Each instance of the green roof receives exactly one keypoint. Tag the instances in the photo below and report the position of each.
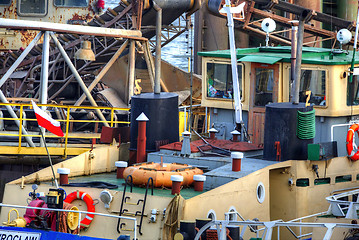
(270, 55)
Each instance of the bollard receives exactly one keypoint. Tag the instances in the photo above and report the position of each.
(212, 133)
(64, 175)
(121, 165)
(198, 182)
(235, 135)
(176, 183)
(236, 161)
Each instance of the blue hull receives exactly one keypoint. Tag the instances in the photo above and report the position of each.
(15, 233)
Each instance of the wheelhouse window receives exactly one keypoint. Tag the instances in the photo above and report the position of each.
(264, 86)
(315, 82)
(71, 3)
(219, 80)
(32, 7)
(353, 91)
(5, 2)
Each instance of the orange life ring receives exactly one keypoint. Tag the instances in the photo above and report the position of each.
(85, 223)
(350, 140)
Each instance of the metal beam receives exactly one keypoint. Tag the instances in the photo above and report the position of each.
(157, 87)
(44, 79)
(131, 70)
(68, 28)
(78, 78)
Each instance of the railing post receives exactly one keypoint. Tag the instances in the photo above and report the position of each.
(79, 224)
(67, 129)
(20, 128)
(112, 116)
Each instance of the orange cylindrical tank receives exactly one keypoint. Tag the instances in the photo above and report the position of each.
(161, 175)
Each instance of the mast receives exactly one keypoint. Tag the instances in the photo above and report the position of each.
(236, 91)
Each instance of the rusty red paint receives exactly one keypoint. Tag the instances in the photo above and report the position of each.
(84, 17)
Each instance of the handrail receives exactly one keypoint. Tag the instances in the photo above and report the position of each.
(268, 226)
(76, 211)
(67, 109)
(252, 229)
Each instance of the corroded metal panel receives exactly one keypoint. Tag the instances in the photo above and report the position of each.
(14, 40)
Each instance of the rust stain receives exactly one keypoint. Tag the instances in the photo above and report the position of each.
(27, 36)
(83, 17)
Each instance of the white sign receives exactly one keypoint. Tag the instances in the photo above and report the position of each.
(15, 235)
(356, 71)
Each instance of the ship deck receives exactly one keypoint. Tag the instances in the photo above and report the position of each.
(110, 178)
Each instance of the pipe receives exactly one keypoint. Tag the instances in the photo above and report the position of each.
(293, 57)
(131, 70)
(141, 138)
(157, 87)
(78, 78)
(103, 72)
(68, 28)
(236, 90)
(44, 82)
(44, 70)
(299, 57)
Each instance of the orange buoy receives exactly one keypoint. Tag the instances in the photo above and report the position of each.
(350, 141)
(85, 223)
(161, 174)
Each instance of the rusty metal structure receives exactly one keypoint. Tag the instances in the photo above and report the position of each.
(323, 20)
(114, 55)
(284, 13)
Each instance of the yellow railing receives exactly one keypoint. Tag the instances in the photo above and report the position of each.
(67, 122)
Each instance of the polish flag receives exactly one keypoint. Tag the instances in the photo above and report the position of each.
(46, 121)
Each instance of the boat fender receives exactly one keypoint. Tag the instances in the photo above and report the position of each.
(352, 149)
(85, 223)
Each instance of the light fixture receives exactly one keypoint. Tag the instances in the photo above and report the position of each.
(343, 36)
(85, 52)
(268, 26)
(106, 198)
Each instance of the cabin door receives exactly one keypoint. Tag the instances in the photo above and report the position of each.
(264, 90)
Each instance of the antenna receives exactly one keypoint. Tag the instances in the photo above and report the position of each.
(268, 26)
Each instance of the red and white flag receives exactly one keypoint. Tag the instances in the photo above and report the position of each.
(46, 121)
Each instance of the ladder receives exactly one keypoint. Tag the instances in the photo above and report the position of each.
(140, 204)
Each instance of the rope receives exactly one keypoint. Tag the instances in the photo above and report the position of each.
(172, 217)
(306, 124)
(63, 220)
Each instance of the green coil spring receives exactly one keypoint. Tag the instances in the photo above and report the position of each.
(306, 124)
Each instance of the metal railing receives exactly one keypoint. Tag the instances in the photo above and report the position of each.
(66, 121)
(186, 111)
(79, 212)
(262, 231)
(269, 226)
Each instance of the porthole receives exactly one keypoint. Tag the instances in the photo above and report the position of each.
(211, 214)
(261, 193)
